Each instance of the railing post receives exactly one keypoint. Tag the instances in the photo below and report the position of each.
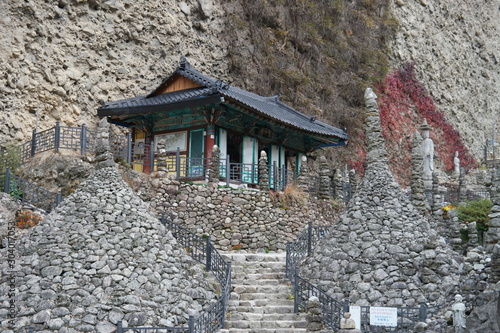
(309, 238)
(228, 170)
(346, 305)
(178, 163)
(83, 140)
(58, 198)
(209, 254)
(224, 300)
(6, 185)
(33, 143)
(191, 324)
(295, 290)
(152, 156)
(283, 177)
(129, 148)
(422, 314)
(120, 327)
(57, 137)
(275, 176)
(163, 219)
(287, 262)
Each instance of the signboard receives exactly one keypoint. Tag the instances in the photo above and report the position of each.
(355, 311)
(382, 316)
(173, 141)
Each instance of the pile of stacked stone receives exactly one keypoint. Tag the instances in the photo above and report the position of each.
(493, 235)
(101, 257)
(324, 178)
(417, 185)
(263, 172)
(382, 252)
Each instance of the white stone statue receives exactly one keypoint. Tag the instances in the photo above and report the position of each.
(427, 149)
(458, 309)
(370, 98)
(347, 322)
(456, 163)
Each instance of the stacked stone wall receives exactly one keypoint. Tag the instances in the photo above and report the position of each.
(247, 219)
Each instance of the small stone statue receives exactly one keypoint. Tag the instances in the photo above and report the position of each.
(456, 163)
(347, 323)
(370, 98)
(458, 309)
(427, 149)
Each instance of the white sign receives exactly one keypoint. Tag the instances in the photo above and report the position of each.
(355, 312)
(382, 316)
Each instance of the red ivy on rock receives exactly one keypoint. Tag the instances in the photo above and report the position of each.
(404, 103)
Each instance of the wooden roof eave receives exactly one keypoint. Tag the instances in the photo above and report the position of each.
(124, 112)
(240, 106)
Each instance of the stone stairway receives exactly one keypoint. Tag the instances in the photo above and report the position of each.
(261, 299)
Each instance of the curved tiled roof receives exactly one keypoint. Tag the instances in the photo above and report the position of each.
(270, 107)
(162, 99)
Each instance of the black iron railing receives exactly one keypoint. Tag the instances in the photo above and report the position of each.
(302, 247)
(202, 250)
(332, 309)
(407, 317)
(143, 157)
(30, 194)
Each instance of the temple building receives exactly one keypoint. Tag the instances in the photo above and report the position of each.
(192, 112)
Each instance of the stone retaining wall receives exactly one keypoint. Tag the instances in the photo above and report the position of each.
(247, 219)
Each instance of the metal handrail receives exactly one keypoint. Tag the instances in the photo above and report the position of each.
(142, 154)
(332, 309)
(30, 194)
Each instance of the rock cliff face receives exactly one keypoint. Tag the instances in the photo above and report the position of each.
(455, 47)
(64, 58)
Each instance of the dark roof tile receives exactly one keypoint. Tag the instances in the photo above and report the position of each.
(271, 107)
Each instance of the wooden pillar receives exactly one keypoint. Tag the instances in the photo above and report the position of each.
(149, 151)
(209, 140)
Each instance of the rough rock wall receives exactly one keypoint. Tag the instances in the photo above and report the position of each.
(65, 57)
(455, 47)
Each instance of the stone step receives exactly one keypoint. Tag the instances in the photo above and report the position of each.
(275, 309)
(262, 302)
(261, 297)
(263, 282)
(257, 269)
(252, 316)
(254, 257)
(248, 324)
(263, 330)
(256, 276)
(276, 288)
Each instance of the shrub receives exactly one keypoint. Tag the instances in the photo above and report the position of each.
(15, 191)
(320, 55)
(10, 157)
(27, 219)
(476, 210)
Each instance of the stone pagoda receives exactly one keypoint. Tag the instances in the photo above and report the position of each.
(383, 252)
(99, 258)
